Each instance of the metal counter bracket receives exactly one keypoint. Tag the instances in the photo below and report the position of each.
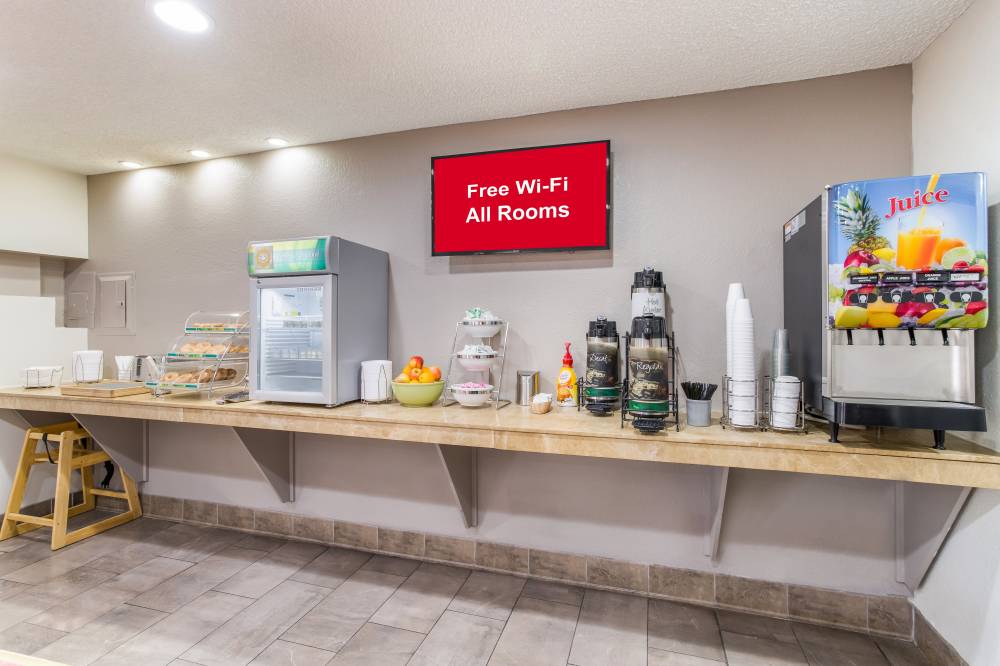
(461, 463)
(273, 451)
(925, 515)
(718, 482)
(125, 440)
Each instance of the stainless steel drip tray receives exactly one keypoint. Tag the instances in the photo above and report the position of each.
(928, 371)
(923, 414)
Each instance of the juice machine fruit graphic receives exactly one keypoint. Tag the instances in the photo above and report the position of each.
(319, 307)
(884, 287)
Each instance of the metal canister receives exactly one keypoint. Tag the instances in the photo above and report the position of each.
(649, 370)
(527, 386)
(601, 387)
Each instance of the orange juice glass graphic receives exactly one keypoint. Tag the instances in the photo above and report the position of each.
(915, 250)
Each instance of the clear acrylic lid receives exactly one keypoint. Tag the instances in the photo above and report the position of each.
(217, 322)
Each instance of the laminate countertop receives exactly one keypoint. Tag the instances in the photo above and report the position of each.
(903, 455)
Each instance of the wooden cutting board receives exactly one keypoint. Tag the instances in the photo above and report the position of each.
(104, 389)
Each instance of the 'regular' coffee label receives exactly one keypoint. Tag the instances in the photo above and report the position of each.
(648, 375)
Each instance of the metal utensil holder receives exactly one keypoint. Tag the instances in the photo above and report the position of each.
(800, 412)
(726, 421)
(383, 381)
(448, 397)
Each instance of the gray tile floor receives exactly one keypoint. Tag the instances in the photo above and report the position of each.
(155, 592)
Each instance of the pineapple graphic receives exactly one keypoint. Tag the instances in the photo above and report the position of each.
(859, 223)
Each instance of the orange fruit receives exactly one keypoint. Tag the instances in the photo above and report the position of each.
(945, 244)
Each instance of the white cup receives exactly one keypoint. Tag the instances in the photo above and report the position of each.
(375, 379)
(126, 367)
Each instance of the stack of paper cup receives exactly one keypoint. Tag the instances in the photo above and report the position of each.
(375, 378)
(785, 402)
(742, 384)
(735, 294)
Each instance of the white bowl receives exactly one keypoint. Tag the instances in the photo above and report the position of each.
(784, 420)
(743, 402)
(471, 397)
(742, 387)
(743, 418)
(784, 405)
(477, 362)
(787, 387)
(481, 328)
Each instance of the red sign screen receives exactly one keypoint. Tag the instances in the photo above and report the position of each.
(547, 198)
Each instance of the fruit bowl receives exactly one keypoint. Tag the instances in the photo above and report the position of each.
(472, 395)
(417, 394)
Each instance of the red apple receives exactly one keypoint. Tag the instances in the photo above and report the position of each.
(415, 362)
(913, 309)
(860, 258)
(973, 307)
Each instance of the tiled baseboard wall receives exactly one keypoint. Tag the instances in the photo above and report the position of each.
(879, 615)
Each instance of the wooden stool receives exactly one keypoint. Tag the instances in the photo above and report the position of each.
(73, 454)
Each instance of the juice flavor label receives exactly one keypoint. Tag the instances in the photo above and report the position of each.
(908, 252)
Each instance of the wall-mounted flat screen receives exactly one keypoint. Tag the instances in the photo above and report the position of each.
(546, 198)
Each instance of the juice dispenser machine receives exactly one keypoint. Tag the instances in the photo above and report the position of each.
(884, 288)
(319, 307)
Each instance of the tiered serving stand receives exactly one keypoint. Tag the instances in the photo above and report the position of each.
(212, 354)
(481, 331)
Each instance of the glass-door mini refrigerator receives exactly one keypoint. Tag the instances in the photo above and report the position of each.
(318, 308)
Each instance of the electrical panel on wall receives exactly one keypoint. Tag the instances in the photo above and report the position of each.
(115, 303)
(81, 296)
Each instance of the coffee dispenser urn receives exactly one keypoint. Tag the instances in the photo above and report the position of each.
(601, 388)
(650, 389)
(884, 287)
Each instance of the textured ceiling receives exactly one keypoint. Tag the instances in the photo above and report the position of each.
(86, 83)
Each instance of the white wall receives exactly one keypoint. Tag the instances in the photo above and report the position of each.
(42, 210)
(702, 185)
(956, 127)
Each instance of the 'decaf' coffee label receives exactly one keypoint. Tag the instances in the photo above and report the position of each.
(908, 253)
(648, 370)
(602, 364)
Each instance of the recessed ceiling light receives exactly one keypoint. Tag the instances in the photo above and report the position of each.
(182, 15)
(128, 164)
(199, 153)
(277, 142)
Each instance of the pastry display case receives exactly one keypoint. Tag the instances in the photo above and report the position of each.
(213, 353)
